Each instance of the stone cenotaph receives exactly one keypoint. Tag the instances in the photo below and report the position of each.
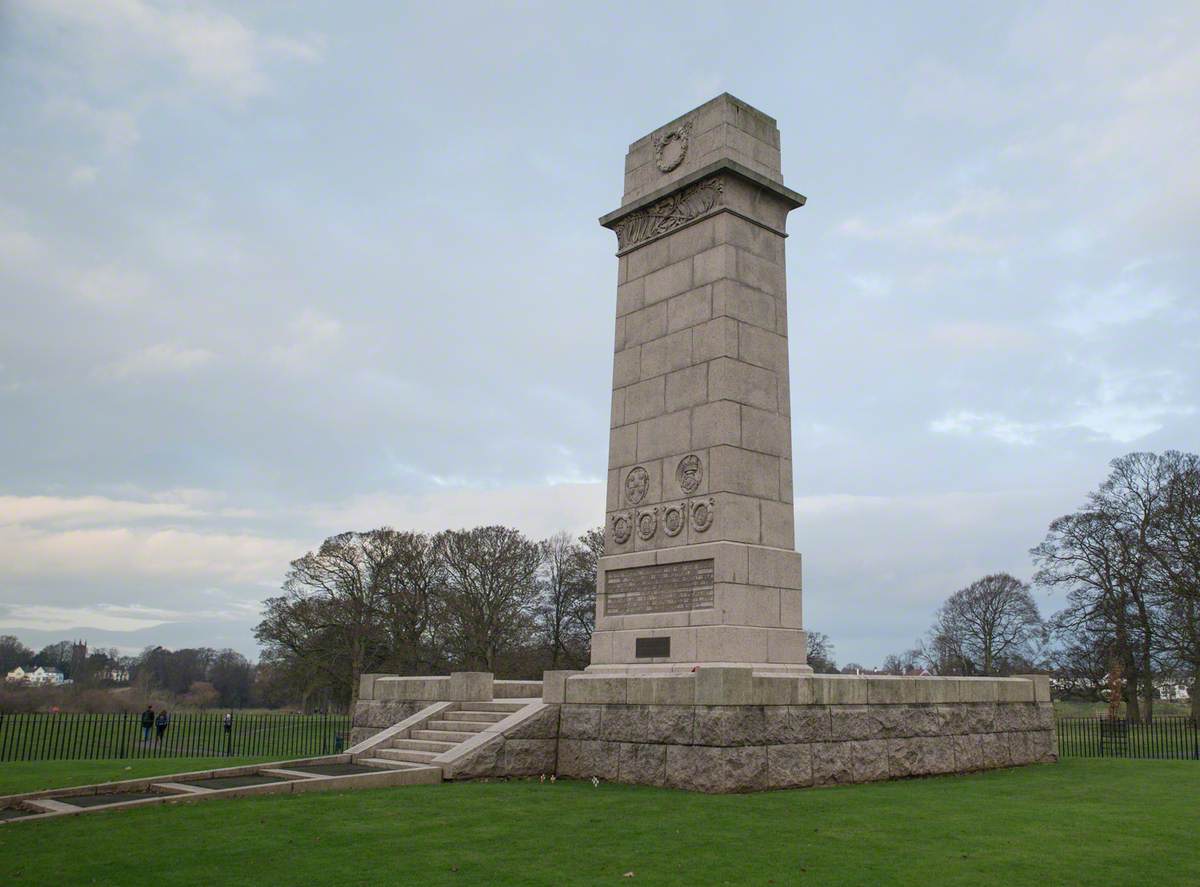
(698, 677)
(700, 566)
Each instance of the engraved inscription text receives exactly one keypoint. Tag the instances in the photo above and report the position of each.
(663, 588)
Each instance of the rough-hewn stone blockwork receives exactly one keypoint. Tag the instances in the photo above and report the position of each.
(380, 714)
(731, 748)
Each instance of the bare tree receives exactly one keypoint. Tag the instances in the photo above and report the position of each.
(820, 653)
(1082, 555)
(411, 604)
(1132, 499)
(1080, 661)
(901, 663)
(491, 591)
(13, 653)
(992, 620)
(567, 583)
(1175, 547)
(333, 597)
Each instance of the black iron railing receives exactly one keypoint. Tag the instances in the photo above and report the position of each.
(1163, 738)
(42, 736)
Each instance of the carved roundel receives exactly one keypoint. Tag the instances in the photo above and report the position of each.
(671, 148)
(702, 514)
(673, 519)
(622, 528)
(636, 484)
(689, 473)
(647, 523)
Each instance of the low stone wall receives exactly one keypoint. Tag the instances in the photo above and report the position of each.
(517, 689)
(372, 715)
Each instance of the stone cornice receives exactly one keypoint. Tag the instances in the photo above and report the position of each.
(787, 195)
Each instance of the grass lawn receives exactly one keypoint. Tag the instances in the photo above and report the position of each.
(1066, 709)
(1078, 822)
(31, 776)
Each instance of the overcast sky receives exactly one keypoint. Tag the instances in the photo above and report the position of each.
(270, 271)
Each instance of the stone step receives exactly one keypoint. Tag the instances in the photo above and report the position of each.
(386, 764)
(460, 726)
(414, 774)
(402, 754)
(451, 736)
(500, 705)
(434, 746)
(472, 715)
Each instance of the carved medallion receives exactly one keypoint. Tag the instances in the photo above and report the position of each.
(636, 484)
(622, 528)
(647, 523)
(671, 147)
(689, 473)
(702, 514)
(673, 519)
(673, 211)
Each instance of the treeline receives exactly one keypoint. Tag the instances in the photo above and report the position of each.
(1128, 561)
(487, 599)
(202, 677)
(196, 677)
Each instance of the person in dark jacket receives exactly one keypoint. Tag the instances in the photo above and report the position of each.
(160, 723)
(147, 722)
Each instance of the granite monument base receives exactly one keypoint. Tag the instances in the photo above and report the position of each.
(734, 730)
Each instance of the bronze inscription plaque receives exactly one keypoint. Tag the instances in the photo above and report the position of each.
(663, 588)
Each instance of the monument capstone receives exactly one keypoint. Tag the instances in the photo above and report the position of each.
(700, 564)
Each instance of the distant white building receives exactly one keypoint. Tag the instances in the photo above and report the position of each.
(38, 677)
(1172, 692)
(116, 674)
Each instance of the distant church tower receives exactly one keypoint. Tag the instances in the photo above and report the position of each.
(79, 655)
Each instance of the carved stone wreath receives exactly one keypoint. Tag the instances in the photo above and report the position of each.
(671, 147)
(673, 211)
(673, 519)
(702, 514)
(636, 484)
(622, 528)
(689, 473)
(647, 523)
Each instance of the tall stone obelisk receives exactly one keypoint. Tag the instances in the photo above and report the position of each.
(700, 564)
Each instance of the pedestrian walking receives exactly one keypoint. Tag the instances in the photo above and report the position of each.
(160, 723)
(147, 722)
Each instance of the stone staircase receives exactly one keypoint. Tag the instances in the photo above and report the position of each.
(443, 733)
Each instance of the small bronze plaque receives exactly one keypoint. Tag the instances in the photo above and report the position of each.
(662, 588)
(651, 648)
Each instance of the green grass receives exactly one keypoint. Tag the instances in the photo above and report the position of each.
(1077, 822)
(17, 777)
(1065, 709)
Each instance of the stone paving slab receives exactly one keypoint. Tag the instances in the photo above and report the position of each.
(103, 800)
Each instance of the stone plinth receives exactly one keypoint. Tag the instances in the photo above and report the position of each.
(731, 730)
(700, 565)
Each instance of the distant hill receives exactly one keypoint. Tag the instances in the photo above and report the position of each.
(173, 635)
